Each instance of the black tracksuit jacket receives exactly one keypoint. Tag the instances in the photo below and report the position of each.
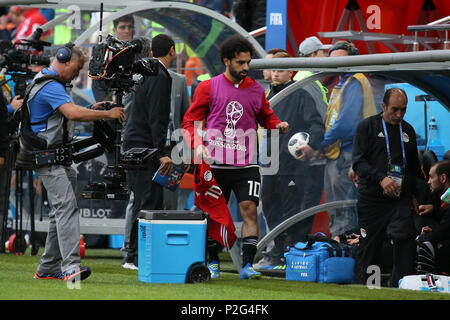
(370, 160)
(149, 113)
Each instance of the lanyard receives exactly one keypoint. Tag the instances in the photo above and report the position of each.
(387, 143)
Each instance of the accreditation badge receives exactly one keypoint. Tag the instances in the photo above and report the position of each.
(395, 172)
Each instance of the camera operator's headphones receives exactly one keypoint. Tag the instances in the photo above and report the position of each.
(64, 54)
(345, 45)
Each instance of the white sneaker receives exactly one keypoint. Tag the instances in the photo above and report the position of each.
(129, 265)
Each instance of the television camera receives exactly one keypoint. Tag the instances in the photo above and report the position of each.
(113, 63)
(17, 58)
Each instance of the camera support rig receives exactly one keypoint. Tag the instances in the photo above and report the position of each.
(114, 63)
(114, 187)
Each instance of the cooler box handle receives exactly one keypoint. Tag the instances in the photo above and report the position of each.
(177, 238)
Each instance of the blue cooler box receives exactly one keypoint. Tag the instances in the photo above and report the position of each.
(170, 242)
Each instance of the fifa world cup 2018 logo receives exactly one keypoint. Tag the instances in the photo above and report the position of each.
(234, 113)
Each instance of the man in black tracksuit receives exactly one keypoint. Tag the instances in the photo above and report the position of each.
(389, 170)
(298, 184)
(146, 127)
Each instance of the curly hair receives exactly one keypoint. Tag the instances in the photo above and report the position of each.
(234, 45)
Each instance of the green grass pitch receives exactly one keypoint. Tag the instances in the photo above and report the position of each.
(109, 281)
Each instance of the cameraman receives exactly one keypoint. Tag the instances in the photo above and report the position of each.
(146, 126)
(51, 115)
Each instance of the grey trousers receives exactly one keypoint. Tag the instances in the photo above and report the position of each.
(338, 186)
(63, 238)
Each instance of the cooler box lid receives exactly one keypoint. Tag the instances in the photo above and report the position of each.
(172, 215)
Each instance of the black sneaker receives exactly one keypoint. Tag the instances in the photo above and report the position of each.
(82, 272)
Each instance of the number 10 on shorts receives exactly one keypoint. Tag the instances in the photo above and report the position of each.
(254, 188)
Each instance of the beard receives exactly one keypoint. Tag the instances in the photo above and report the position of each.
(438, 191)
(237, 75)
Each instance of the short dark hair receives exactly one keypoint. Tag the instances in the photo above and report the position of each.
(275, 50)
(348, 46)
(282, 54)
(443, 167)
(390, 91)
(234, 45)
(161, 45)
(127, 18)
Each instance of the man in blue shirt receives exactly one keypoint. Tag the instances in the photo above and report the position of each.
(52, 112)
(344, 127)
(47, 101)
(54, 97)
(351, 101)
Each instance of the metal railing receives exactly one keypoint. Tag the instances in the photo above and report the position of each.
(438, 25)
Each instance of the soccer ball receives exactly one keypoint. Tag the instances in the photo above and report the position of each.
(297, 140)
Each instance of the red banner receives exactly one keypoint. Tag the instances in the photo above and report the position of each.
(307, 18)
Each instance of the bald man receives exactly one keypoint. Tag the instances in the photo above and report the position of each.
(386, 161)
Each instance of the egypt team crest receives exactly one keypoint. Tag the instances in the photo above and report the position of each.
(405, 137)
(207, 176)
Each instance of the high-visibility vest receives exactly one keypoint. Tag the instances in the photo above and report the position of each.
(332, 151)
